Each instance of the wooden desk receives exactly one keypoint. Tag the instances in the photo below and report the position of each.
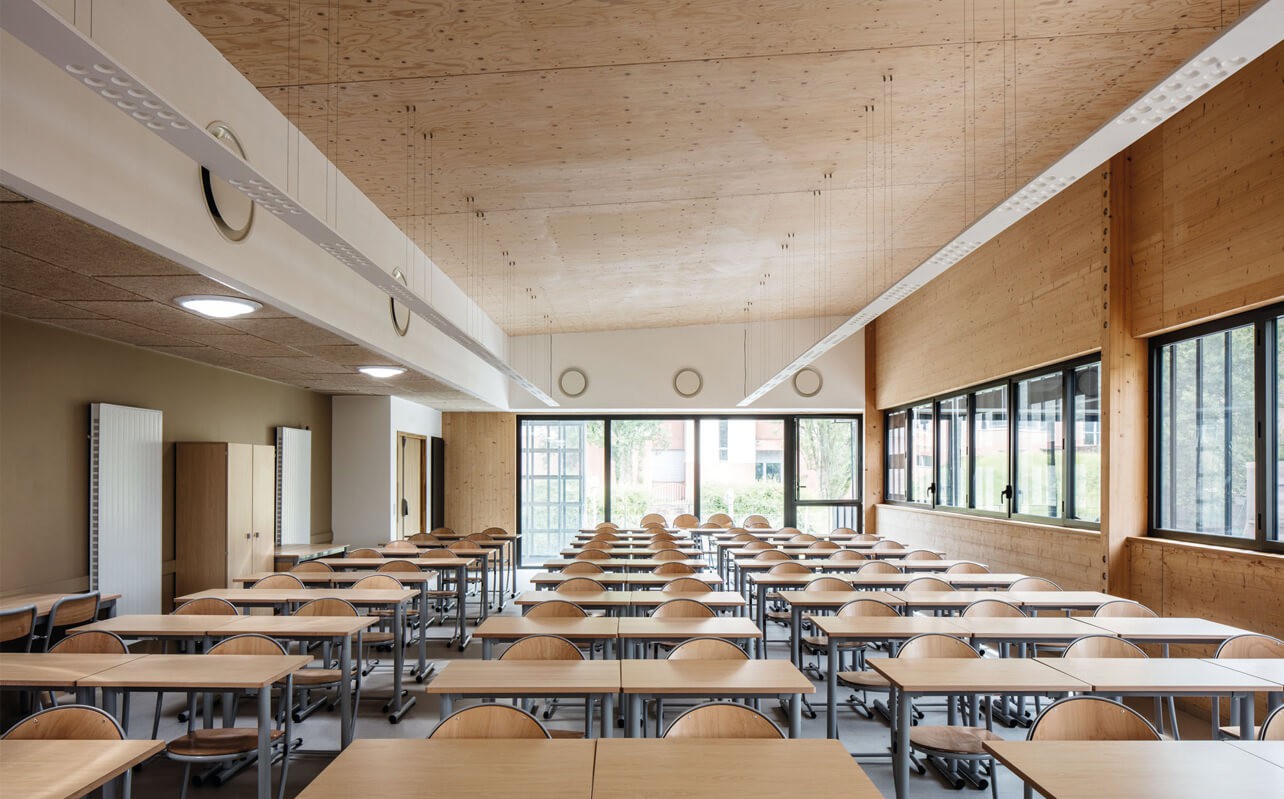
(1139, 769)
(623, 564)
(56, 670)
(527, 679)
(206, 673)
(449, 769)
(727, 769)
(718, 600)
(511, 628)
(287, 557)
(1027, 600)
(968, 677)
(394, 598)
(799, 601)
(711, 678)
(622, 580)
(68, 769)
(160, 625)
(1168, 629)
(1269, 669)
(1270, 751)
(733, 628)
(596, 600)
(45, 602)
(632, 552)
(1166, 676)
(1033, 629)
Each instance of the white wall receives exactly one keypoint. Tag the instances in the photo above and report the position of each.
(364, 472)
(632, 370)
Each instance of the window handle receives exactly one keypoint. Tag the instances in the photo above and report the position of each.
(931, 488)
(1006, 493)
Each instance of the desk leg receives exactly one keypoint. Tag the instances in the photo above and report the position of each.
(608, 714)
(422, 671)
(903, 721)
(795, 635)
(485, 591)
(487, 646)
(1246, 710)
(762, 611)
(831, 685)
(795, 715)
(635, 717)
(265, 741)
(447, 706)
(345, 692)
(461, 602)
(399, 703)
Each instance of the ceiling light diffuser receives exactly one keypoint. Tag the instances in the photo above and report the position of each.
(216, 307)
(381, 372)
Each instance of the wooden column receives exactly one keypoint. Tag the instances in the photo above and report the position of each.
(1124, 379)
(872, 480)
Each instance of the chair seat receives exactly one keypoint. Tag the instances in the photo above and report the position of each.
(388, 614)
(376, 637)
(821, 643)
(307, 678)
(863, 679)
(956, 740)
(218, 742)
(565, 734)
(780, 615)
(1232, 731)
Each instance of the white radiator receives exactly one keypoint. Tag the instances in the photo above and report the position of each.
(293, 486)
(125, 454)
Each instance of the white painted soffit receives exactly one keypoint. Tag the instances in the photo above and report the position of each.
(1253, 35)
(50, 35)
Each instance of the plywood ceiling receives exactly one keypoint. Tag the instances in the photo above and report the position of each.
(60, 271)
(603, 165)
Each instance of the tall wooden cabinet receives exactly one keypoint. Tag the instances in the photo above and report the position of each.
(224, 513)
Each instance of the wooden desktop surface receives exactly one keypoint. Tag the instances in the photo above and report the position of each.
(43, 602)
(979, 675)
(713, 677)
(736, 627)
(510, 627)
(1271, 669)
(142, 625)
(883, 628)
(1157, 674)
(1167, 628)
(198, 672)
(281, 596)
(536, 677)
(67, 769)
(54, 670)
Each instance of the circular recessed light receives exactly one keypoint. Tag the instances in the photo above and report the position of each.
(381, 372)
(217, 307)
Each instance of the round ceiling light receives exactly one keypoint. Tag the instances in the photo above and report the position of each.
(381, 372)
(216, 307)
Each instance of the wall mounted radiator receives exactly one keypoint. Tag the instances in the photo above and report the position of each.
(293, 486)
(125, 454)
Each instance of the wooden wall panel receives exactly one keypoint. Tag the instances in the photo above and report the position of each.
(1070, 558)
(1207, 199)
(481, 470)
(1041, 278)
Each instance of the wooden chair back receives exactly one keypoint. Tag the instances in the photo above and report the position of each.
(606, 526)
(580, 585)
(1251, 645)
(686, 521)
(936, 645)
(661, 545)
(723, 720)
(72, 609)
(927, 584)
(493, 532)
(327, 607)
(542, 647)
(825, 546)
(592, 554)
(712, 526)
(789, 567)
(1090, 718)
(669, 554)
(1124, 608)
(771, 554)
(790, 531)
(877, 567)
(654, 526)
(281, 580)
(1102, 646)
(865, 537)
(992, 609)
(803, 538)
(968, 567)
(921, 554)
(744, 537)
(438, 553)
(683, 609)
(422, 538)
(401, 546)
(441, 531)
(363, 552)
(601, 546)
(708, 649)
(583, 567)
(756, 518)
(674, 567)
(402, 566)
(653, 517)
(556, 609)
(842, 531)
(757, 546)
(886, 545)
(1273, 727)
(847, 554)
(687, 585)
(311, 567)
(829, 584)
(378, 582)
(867, 607)
(248, 644)
(67, 723)
(758, 525)
(91, 642)
(490, 721)
(206, 606)
(721, 518)
(17, 627)
(1034, 584)
(605, 535)
(663, 536)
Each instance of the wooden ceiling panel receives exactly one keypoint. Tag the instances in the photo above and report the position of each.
(642, 162)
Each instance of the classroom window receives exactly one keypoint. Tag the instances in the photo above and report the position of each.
(1086, 385)
(990, 445)
(922, 482)
(1039, 446)
(652, 469)
(741, 463)
(897, 487)
(562, 481)
(952, 452)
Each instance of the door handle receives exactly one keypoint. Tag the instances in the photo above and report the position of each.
(405, 507)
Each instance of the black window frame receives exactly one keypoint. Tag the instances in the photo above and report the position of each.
(789, 459)
(1265, 425)
(1066, 472)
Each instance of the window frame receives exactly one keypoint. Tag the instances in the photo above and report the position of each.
(1265, 424)
(1066, 471)
(789, 461)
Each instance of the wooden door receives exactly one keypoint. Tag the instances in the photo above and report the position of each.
(264, 508)
(412, 486)
(437, 477)
(240, 512)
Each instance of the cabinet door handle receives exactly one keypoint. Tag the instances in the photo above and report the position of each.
(247, 536)
(256, 535)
